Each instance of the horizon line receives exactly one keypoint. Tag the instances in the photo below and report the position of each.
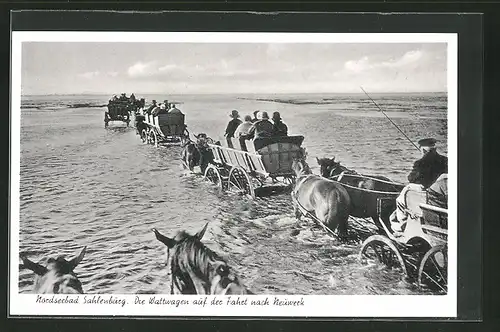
(225, 93)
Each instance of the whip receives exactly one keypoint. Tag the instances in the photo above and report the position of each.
(395, 125)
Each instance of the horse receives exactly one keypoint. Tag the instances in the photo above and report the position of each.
(195, 269)
(57, 277)
(327, 200)
(196, 153)
(364, 204)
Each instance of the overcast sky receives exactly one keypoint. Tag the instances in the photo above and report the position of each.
(111, 68)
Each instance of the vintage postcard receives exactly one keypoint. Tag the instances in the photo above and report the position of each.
(233, 174)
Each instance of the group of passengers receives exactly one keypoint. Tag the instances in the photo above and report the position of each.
(253, 128)
(123, 97)
(161, 108)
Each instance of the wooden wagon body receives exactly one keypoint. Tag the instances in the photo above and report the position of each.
(244, 171)
(164, 127)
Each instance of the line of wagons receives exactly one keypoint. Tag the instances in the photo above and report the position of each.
(420, 251)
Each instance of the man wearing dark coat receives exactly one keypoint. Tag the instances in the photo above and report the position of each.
(427, 169)
(231, 127)
(425, 172)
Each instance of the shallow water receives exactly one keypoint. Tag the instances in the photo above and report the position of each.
(83, 185)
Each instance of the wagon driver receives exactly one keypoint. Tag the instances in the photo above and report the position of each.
(425, 172)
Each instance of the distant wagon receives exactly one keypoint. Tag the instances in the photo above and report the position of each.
(163, 127)
(120, 109)
(245, 171)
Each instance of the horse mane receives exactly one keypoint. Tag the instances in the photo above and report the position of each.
(191, 254)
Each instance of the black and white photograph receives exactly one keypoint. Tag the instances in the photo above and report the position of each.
(268, 174)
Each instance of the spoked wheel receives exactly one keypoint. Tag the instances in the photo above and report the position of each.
(288, 180)
(153, 138)
(433, 268)
(212, 174)
(239, 181)
(144, 136)
(380, 248)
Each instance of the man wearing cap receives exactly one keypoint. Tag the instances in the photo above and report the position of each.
(425, 172)
(428, 168)
(279, 128)
(231, 127)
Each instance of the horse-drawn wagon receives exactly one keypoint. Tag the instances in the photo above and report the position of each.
(162, 127)
(267, 164)
(420, 250)
(118, 110)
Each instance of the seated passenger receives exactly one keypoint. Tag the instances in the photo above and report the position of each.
(242, 130)
(255, 116)
(424, 173)
(231, 127)
(279, 128)
(150, 108)
(261, 128)
(173, 109)
(437, 194)
(158, 110)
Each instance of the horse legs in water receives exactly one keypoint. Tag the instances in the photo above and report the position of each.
(296, 212)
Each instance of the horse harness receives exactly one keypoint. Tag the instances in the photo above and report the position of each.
(303, 209)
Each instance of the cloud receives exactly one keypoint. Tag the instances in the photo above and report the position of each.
(142, 69)
(90, 74)
(363, 64)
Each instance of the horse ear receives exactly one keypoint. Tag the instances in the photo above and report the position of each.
(317, 159)
(165, 240)
(200, 234)
(75, 261)
(35, 267)
(333, 158)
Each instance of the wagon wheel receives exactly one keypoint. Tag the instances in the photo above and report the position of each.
(239, 181)
(288, 180)
(212, 174)
(153, 138)
(433, 268)
(144, 136)
(381, 248)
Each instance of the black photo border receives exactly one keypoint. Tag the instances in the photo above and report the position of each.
(470, 99)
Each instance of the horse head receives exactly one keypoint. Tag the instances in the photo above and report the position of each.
(329, 167)
(195, 269)
(300, 166)
(57, 277)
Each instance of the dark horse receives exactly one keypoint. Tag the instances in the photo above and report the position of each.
(325, 200)
(364, 202)
(57, 277)
(196, 153)
(195, 269)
